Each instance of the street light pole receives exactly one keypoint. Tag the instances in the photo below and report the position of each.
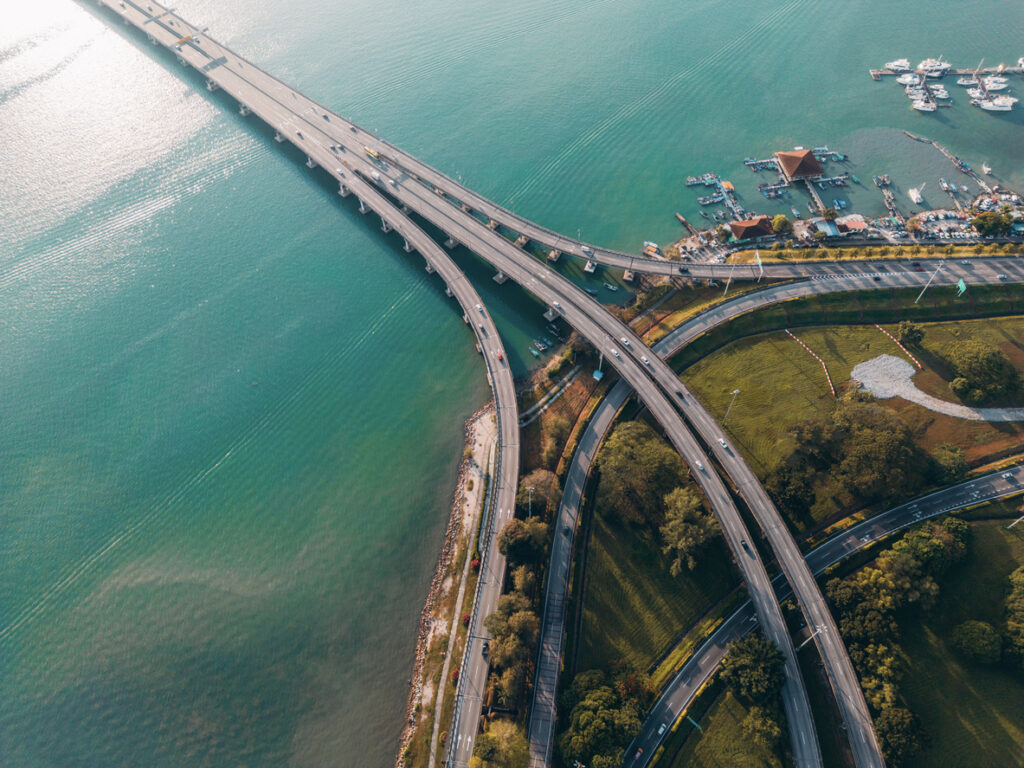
(529, 489)
(937, 269)
(729, 409)
(820, 628)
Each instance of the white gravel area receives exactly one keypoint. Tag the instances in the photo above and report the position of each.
(887, 376)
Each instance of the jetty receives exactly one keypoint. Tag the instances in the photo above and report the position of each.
(959, 164)
(878, 74)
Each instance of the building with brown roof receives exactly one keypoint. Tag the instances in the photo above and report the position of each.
(752, 228)
(799, 164)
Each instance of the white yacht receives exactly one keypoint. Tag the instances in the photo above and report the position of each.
(934, 67)
(923, 106)
(970, 82)
(976, 93)
(900, 65)
(908, 79)
(996, 83)
(997, 103)
(986, 169)
(915, 194)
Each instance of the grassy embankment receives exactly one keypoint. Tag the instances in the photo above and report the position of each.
(904, 251)
(781, 385)
(971, 712)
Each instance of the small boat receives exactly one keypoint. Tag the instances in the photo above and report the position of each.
(923, 106)
(540, 345)
(704, 214)
(548, 341)
(611, 287)
(995, 85)
(968, 81)
(534, 352)
(591, 291)
(898, 65)
(934, 67)
(796, 212)
(855, 179)
(997, 103)
(986, 169)
(963, 188)
(908, 79)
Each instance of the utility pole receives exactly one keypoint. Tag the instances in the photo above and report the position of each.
(818, 629)
(729, 409)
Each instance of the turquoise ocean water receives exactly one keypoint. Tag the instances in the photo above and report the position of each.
(231, 409)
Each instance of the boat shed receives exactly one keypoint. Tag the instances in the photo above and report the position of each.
(751, 229)
(799, 164)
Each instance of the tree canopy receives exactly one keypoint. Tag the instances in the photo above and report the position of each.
(546, 494)
(687, 529)
(502, 745)
(979, 641)
(781, 225)
(638, 469)
(753, 668)
(523, 541)
(991, 224)
(1015, 616)
(602, 721)
(982, 371)
(909, 333)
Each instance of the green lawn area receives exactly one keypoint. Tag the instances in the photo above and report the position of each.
(971, 713)
(722, 743)
(633, 608)
(781, 384)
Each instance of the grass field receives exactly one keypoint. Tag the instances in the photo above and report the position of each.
(971, 713)
(781, 384)
(633, 608)
(722, 743)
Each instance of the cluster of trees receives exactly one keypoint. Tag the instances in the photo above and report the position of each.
(991, 224)
(754, 670)
(605, 712)
(642, 481)
(1015, 617)
(515, 625)
(864, 448)
(781, 225)
(867, 603)
(982, 643)
(502, 745)
(982, 372)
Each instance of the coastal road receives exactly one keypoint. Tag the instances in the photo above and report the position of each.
(681, 690)
(542, 713)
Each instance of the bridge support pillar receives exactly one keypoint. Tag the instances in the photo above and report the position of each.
(450, 243)
(309, 162)
(152, 39)
(429, 268)
(278, 137)
(244, 111)
(384, 226)
(125, 20)
(181, 59)
(447, 291)
(211, 86)
(344, 191)
(407, 248)
(405, 209)
(362, 207)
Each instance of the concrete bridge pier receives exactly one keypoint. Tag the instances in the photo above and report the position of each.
(344, 191)
(405, 209)
(182, 61)
(362, 207)
(278, 137)
(309, 162)
(429, 268)
(244, 111)
(384, 226)
(151, 38)
(450, 243)
(407, 248)
(448, 292)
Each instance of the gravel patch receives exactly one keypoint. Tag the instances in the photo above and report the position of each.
(887, 376)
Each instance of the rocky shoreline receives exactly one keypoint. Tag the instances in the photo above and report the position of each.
(449, 554)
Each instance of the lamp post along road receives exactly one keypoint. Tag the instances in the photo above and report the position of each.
(729, 409)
